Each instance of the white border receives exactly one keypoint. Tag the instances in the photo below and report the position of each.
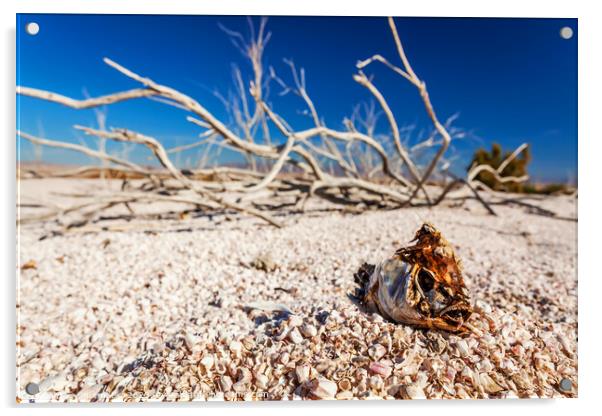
(590, 151)
(509, 8)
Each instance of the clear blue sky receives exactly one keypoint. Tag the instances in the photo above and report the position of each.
(511, 80)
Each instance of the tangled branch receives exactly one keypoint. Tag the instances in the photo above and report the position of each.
(318, 161)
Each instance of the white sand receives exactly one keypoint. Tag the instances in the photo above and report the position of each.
(104, 313)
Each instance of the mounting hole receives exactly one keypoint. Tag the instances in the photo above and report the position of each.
(32, 28)
(566, 32)
(32, 388)
(566, 385)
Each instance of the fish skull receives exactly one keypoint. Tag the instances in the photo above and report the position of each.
(420, 285)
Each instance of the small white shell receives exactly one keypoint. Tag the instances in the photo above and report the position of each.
(295, 336)
(323, 388)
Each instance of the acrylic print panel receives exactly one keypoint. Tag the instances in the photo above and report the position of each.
(248, 208)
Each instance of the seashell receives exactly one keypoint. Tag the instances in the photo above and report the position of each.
(230, 396)
(264, 262)
(285, 358)
(566, 346)
(322, 388)
(240, 387)
(207, 362)
(53, 383)
(82, 372)
(422, 379)
(521, 381)
(302, 373)
(308, 330)
(371, 396)
(344, 384)
(336, 316)
(344, 395)
(485, 307)
(450, 373)
(225, 383)
(31, 264)
(236, 348)
(295, 336)
(486, 365)
(375, 329)
(340, 373)
(398, 334)
(323, 366)
(409, 369)
(487, 339)
(244, 375)
(380, 368)
(394, 389)
(87, 394)
(467, 374)
(266, 306)
(414, 391)
(508, 364)
(488, 384)
(462, 347)
(376, 382)
(296, 355)
(220, 367)
(105, 379)
(261, 369)
(295, 321)
(261, 381)
(377, 351)
(248, 342)
(420, 285)
(157, 347)
(218, 396)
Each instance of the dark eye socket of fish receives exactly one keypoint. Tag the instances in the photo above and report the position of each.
(426, 280)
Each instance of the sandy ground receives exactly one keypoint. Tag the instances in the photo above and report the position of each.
(215, 308)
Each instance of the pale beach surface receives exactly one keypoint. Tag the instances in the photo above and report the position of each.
(196, 307)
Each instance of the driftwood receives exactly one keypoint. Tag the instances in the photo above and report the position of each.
(301, 164)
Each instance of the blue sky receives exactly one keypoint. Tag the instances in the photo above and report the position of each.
(510, 80)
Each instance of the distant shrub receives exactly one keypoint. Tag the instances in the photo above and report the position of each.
(548, 189)
(494, 158)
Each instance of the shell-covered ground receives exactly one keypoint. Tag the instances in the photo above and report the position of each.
(243, 311)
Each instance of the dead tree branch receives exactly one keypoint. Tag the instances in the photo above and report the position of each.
(288, 163)
(161, 154)
(409, 74)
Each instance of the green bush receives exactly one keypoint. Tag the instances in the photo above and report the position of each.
(494, 158)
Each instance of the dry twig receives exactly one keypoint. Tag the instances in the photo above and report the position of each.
(312, 154)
